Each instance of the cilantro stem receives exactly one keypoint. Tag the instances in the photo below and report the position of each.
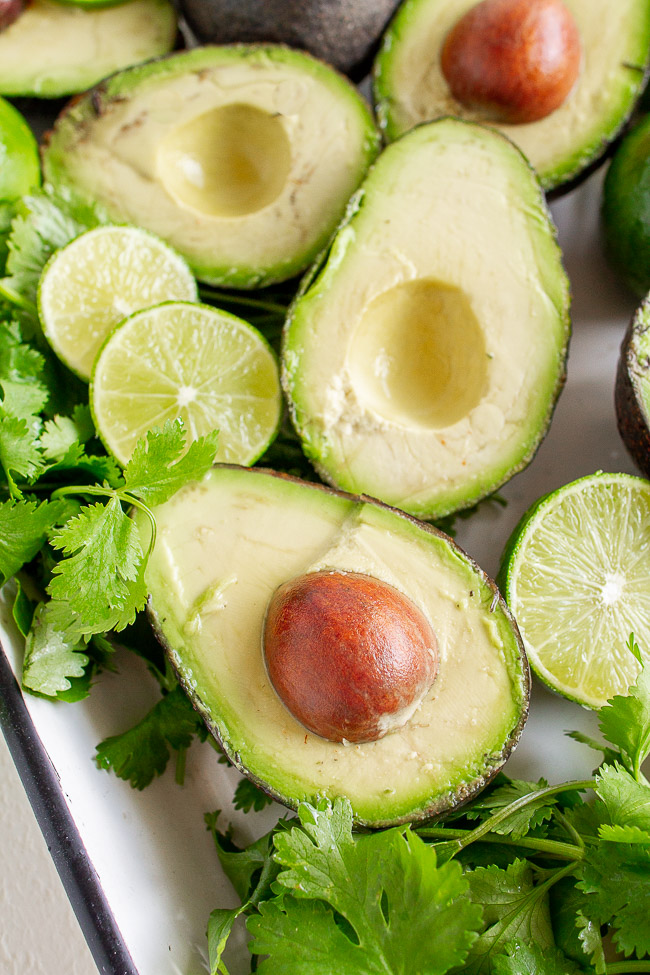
(627, 967)
(16, 298)
(121, 495)
(567, 851)
(229, 299)
(570, 828)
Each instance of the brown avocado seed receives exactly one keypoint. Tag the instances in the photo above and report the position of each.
(513, 60)
(349, 656)
(10, 10)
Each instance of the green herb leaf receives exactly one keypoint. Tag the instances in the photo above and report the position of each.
(24, 526)
(142, 752)
(248, 796)
(625, 720)
(522, 820)
(155, 471)
(617, 879)
(628, 806)
(51, 658)
(64, 432)
(19, 452)
(529, 959)
(219, 927)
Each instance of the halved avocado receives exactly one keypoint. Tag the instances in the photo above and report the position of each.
(242, 158)
(423, 363)
(410, 87)
(632, 395)
(227, 543)
(53, 49)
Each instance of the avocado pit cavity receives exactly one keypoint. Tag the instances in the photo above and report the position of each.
(349, 655)
(514, 61)
(228, 162)
(417, 356)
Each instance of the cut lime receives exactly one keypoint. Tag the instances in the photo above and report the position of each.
(576, 575)
(189, 360)
(99, 279)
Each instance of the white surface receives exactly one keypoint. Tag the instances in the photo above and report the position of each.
(151, 850)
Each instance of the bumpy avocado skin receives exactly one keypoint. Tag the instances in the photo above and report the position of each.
(632, 393)
(237, 729)
(626, 209)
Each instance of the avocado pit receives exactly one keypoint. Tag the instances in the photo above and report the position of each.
(349, 655)
(10, 10)
(515, 61)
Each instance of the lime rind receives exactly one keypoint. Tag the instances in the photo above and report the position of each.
(100, 278)
(225, 378)
(576, 575)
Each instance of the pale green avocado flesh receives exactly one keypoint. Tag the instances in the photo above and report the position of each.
(423, 363)
(223, 548)
(53, 49)
(410, 88)
(242, 158)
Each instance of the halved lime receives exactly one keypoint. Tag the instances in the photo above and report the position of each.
(189, 360)
(100, 278)
(576, 575)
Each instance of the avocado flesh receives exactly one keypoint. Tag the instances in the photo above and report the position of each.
(410, 88)
(223, 548)
(242, 158)
(423, 363)
(52, 50)
(632, 396)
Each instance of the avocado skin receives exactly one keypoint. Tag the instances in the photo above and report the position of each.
(631, 414)
(343, 32)
(445, 804)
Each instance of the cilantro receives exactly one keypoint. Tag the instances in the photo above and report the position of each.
(160, 465)
(248, 796)
(628, 806)
(24, 526)
(522, 820)
(142, 752)
(521, 958)
(616, 877)
(20, 456)
(64, 432)
(625, 720)
(51, 659)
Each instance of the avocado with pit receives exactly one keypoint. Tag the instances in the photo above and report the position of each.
(457, 57)
(632, 396)
(255, 575)
(242, 158)
(51, 49)
(424, 357)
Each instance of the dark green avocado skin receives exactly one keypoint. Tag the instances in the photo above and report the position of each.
(631, 413)
(343, 32)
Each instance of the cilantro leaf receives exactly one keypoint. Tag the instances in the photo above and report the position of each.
(617, 879)
(155, 471)
(513, 907)
(521, 958)
(592, 942)
(522, 820)
(18, 360)
(609, 754)
(628, 806)
(625, 720)
(248, 796)
(142, 752)
(100, 585)
(23, 529)
(220, 925)
(50, 657)
(407, 913)
(576, 936)
(19, 452)
(251, 871)
(62, 432)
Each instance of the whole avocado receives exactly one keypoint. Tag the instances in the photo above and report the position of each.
(342, 32)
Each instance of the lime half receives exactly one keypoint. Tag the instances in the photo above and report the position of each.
(576, 575)
(189, 360)
(99, 279)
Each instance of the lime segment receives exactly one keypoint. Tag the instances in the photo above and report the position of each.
(189, 360)
(576, 575)
(100, 278)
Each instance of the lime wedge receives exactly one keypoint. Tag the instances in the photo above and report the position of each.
(100, 278)
(189, 360)
(576, 575)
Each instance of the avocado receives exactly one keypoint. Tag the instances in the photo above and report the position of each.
(227, 544)
(632, 395)
(410, 87)
(242, 158)
(20, 164)
(343, 32)
(423, 362)
(52, 49)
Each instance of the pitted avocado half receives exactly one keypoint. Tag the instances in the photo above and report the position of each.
(410, 88)
(633, 389)
(423, 362)
(227, 543)
(52, 50)
(242, 158)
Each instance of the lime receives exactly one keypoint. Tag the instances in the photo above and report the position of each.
(100, 278)
(626, 209)
(576, 575)
(189, 360)
(20, 167)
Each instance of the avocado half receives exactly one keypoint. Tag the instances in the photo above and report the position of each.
(227, 543)
(242, 158)
(632, 395)
(423, 359)
(52, 49)
(410, 88)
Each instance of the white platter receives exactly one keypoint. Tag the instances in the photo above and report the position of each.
(151, 852)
